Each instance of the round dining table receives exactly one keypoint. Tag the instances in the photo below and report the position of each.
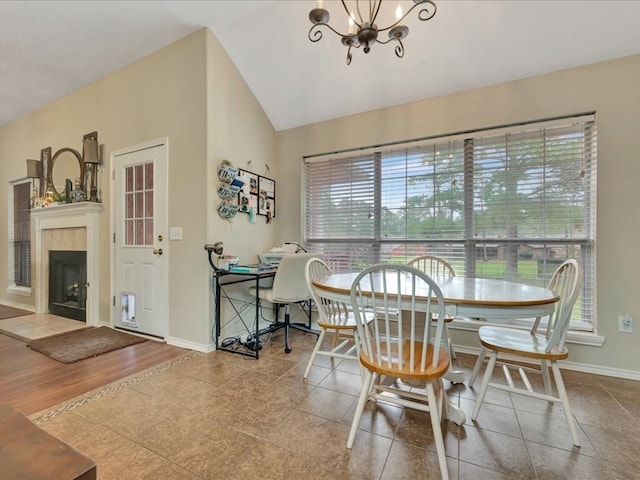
(464, 297)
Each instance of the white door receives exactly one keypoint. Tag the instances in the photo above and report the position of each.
(139, 227)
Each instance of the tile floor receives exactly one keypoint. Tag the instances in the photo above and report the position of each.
(35, 326)
(223, 416)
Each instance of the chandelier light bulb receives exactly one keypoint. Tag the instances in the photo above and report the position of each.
(399, 13)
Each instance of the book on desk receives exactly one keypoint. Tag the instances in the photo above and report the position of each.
(253, 268)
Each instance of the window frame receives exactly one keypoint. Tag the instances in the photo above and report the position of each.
(587, 254)
(17, 287)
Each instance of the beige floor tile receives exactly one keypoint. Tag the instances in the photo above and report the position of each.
(366, 459)
(495, 451)
(33, 327)
(468, 471)
(90, 438)
(128, 412)
(302, 432)
(411, 462)
(379, 418)
(171, 472)
(552, 463)
(326, 403)
(171, 438)
(553, 431)
(129, 460)
(344, 382)
(496, 418)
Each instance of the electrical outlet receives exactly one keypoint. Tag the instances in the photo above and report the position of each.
(625, 323)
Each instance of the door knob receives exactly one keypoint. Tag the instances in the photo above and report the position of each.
(157, 251)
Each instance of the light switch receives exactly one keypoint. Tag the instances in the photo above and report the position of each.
(175, 233)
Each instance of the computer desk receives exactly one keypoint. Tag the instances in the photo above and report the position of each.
(223, 278)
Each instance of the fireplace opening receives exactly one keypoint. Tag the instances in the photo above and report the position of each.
(67, 284)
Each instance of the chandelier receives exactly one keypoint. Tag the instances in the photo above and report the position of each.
(363, 31)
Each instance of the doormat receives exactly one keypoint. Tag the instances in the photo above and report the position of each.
(9, 312)
(75, 346)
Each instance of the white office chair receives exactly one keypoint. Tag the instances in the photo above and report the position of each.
(437, 267)
(546, 348)
(333, 316)
(289, 286)
(411, 352)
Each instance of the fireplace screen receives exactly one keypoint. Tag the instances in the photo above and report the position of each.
(67, 284)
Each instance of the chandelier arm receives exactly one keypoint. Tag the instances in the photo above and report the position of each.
(346, 9)
(372, 14)
(424, 14)
(315, 34)
(399, 49)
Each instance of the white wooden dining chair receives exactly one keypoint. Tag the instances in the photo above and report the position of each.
(544, 346)
(408, 350)
(333, 317)
(437, 267)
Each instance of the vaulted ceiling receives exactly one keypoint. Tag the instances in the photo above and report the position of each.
(52, 48)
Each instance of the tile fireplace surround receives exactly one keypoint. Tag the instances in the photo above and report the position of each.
(72, 226)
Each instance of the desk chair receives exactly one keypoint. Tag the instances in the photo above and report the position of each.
(436, 267)
(547, 348)
(412, 353)
(333, 317)
(289, 286)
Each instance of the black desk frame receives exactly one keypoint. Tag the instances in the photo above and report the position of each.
(238, 278)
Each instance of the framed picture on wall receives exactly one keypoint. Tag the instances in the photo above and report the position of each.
(250, 181)
(266, 197)
(248, 195)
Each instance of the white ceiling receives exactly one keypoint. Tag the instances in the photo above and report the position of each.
(51, 48)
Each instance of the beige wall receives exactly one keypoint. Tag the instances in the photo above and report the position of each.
(239, 132)
(169, 93)
(609, 88)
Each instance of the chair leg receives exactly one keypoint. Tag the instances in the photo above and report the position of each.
(493, 356)
(562, 393)
(545, 377)
(476, 367)
(316, 349)
(448, 342)
(436, 425)
(287, 348)
(356, 339)
(334, 342)
(362, 401)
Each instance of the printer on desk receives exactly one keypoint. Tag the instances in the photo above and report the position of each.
(272, 258)
(275, 255)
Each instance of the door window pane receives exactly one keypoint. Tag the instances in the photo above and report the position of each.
(138, 214)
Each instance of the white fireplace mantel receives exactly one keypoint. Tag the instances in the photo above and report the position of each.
(71, 215)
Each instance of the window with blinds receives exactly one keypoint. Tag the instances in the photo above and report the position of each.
(20, 235)
(510, 203)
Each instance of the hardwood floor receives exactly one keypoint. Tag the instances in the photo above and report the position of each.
(31, 382)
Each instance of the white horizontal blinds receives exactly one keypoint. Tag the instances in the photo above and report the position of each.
(20, 236)
(533, 205)
(422, 193)
(340, 195)
(339, 203)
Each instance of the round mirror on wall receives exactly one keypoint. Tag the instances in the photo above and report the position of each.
(65, 164)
